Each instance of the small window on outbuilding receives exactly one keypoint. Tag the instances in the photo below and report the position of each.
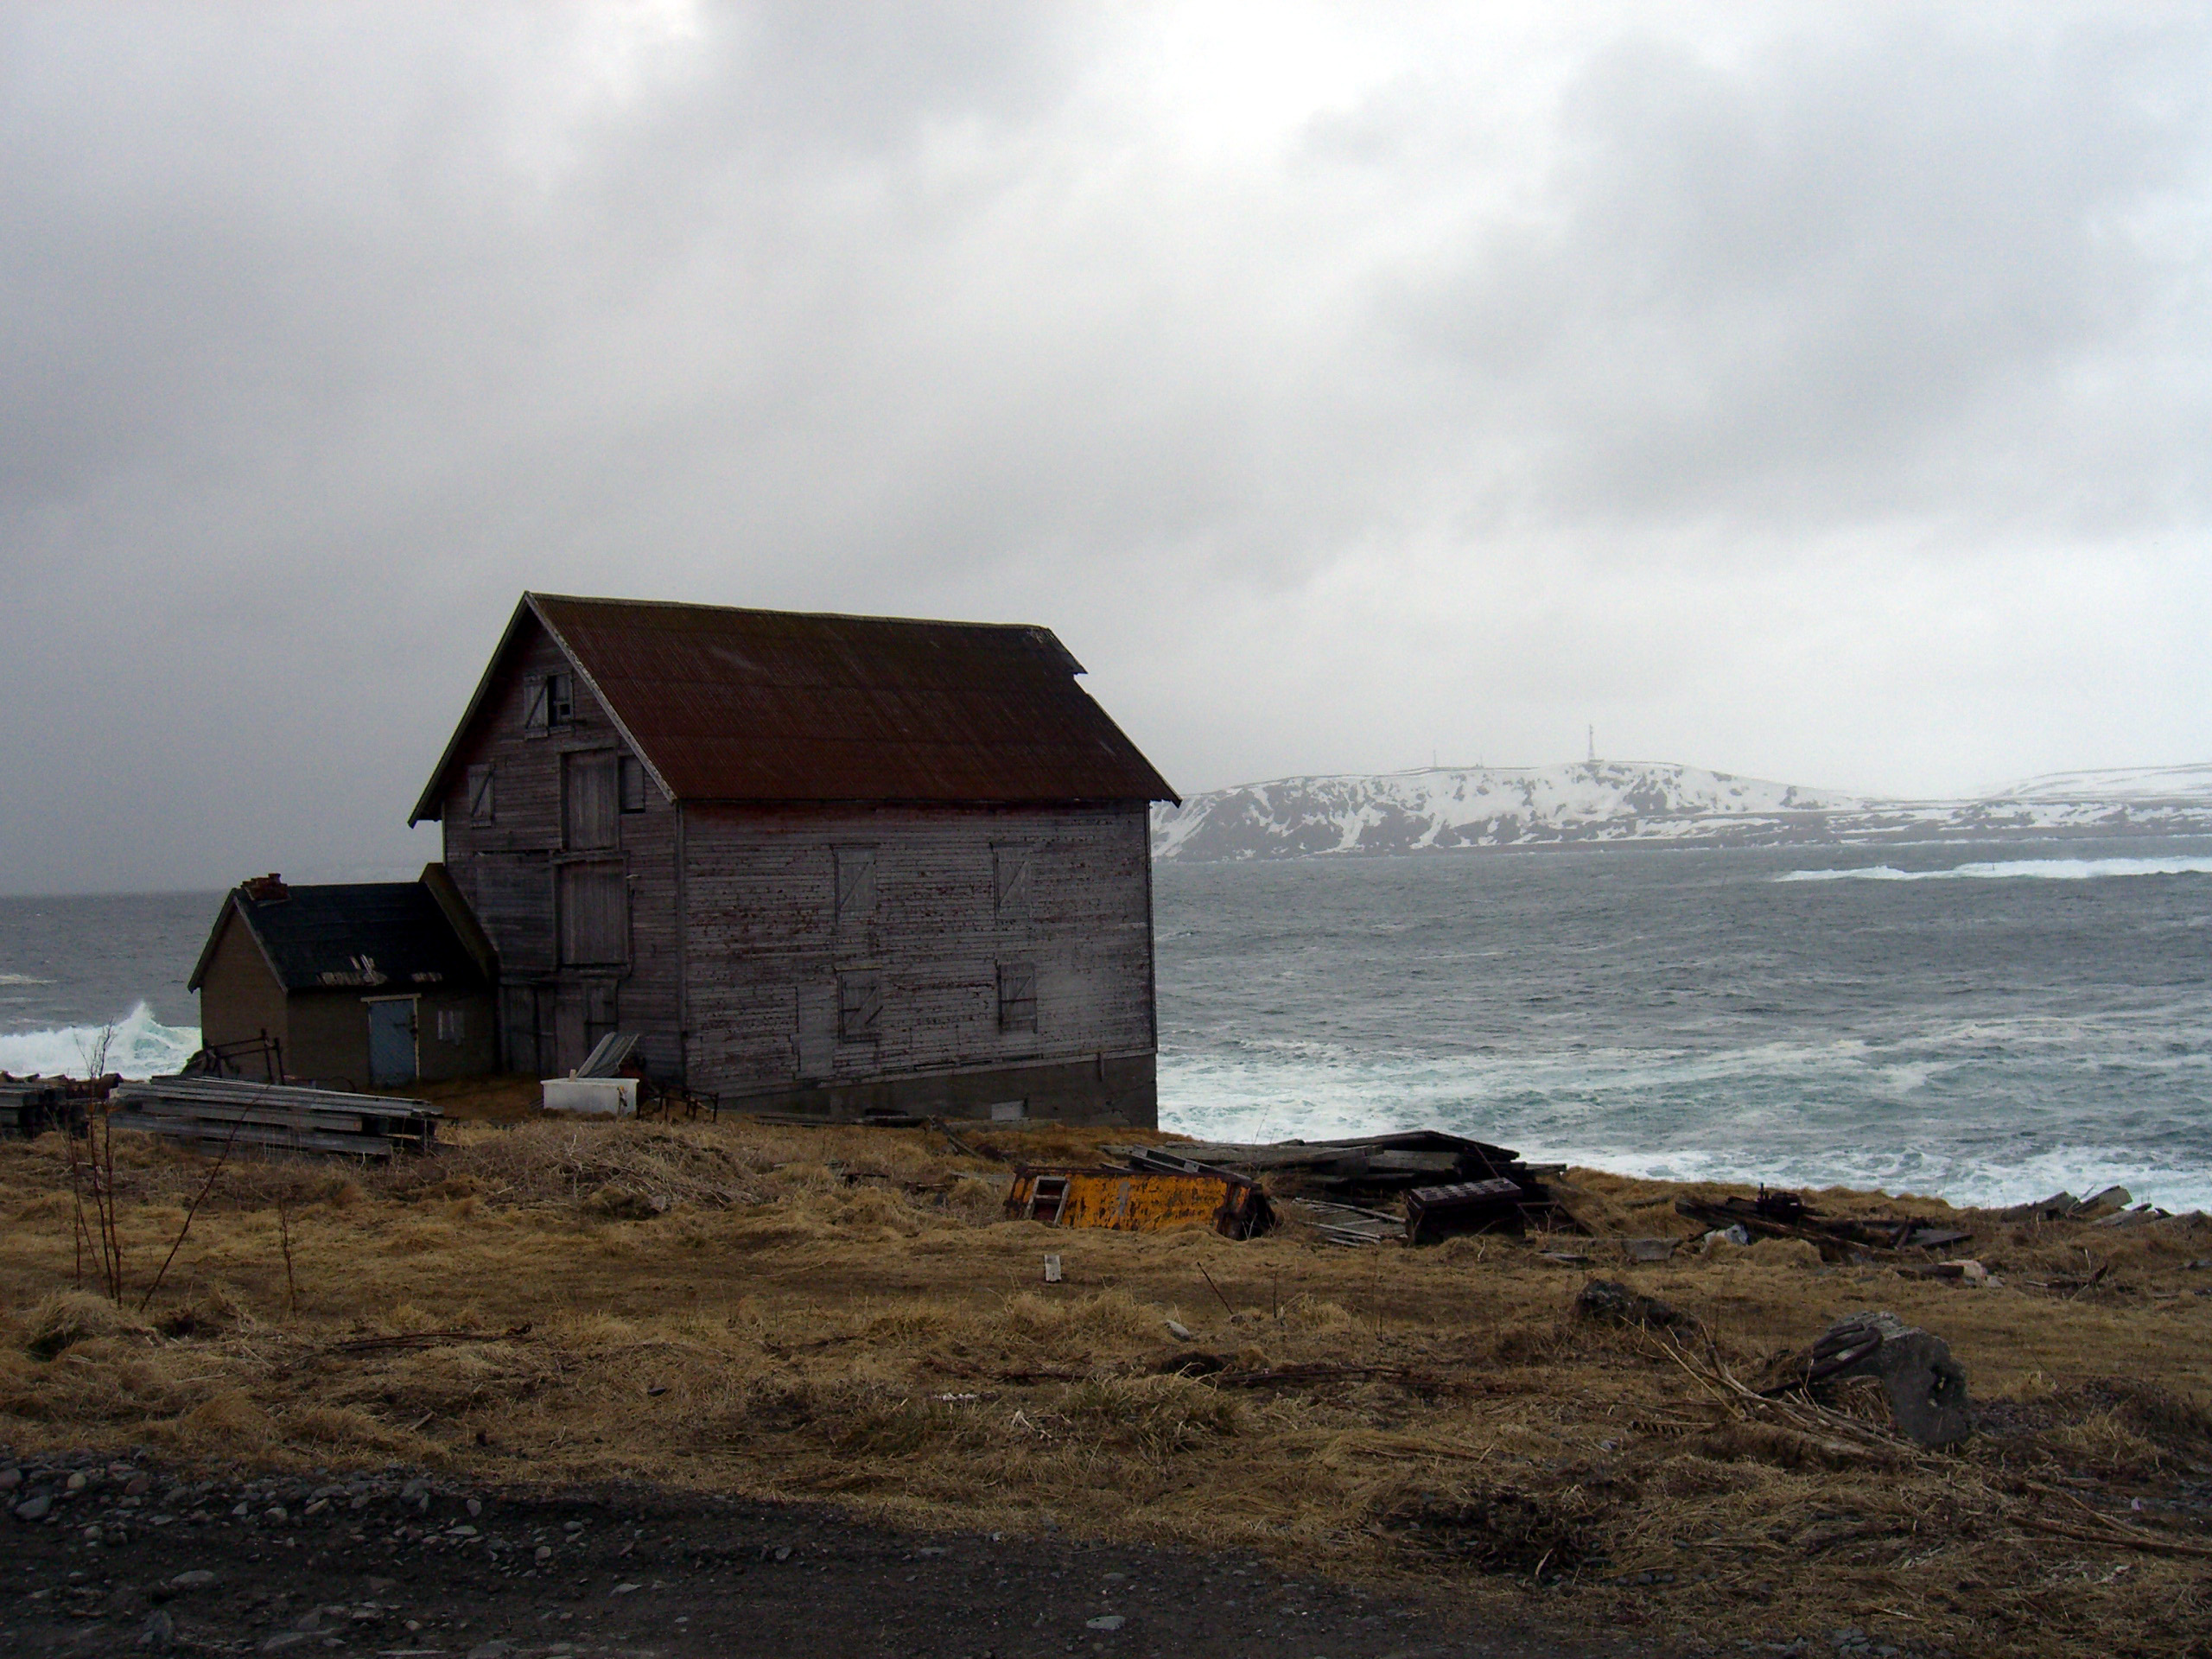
(860, 1006)
(453, 1025)
(481, 802)
(1017, 996)
(634, 784)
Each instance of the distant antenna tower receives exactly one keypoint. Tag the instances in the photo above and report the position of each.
(1594, 742)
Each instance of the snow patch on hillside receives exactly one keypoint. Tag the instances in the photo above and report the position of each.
(2116, 783)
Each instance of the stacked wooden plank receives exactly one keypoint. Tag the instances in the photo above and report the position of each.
(215, 1112)
(30, 1106)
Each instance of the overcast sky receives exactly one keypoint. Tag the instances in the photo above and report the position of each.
(1815, 393)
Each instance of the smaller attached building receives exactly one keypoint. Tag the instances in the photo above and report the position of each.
(365, 985)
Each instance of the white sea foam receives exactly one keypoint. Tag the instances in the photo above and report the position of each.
(2045, 870)
(23, 979)
(139, 1046)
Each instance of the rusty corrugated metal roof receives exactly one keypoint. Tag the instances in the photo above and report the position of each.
(743, 705)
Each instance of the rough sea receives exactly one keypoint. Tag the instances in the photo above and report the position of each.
(1985, 1024)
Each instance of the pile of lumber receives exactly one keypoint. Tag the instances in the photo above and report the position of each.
(1450, 1183)
(30, 1106)
(231, 1112)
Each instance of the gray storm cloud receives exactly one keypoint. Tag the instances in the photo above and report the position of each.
(1824, 399)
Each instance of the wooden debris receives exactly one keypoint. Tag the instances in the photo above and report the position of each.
(1785, 1215)
(1439, 1213)
(1375, 1167)
(1343, 1223)
(1608, 1303)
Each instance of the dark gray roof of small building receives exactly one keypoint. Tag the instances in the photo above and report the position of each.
(373, 936)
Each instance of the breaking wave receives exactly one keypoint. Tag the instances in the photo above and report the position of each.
(23, 979)
(2045, 870)
(138, 1045)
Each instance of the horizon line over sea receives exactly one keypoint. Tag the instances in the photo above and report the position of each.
(1986, 1030)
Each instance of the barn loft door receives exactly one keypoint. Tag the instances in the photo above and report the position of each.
(591, 801)
(595, 914)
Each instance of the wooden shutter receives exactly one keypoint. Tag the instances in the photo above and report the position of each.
(595, 914)
(480, 802)
(860, 1006)
(1010, 880)
(533, 704)
(634, 784)
(590, 802)
(1017, 996)
(855, 893)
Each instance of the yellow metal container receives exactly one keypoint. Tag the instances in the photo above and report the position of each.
(1139, 1200)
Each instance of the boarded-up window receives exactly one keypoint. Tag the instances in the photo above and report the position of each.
(1010, 880)
(588, 801)
(595, 914)
(548, 702)
(860, 1006)
(634, 784)
(1017, 996)
(855, 893)
(480, 794)
(453, 1025)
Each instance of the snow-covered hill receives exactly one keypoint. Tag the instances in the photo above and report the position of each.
(1605, 801)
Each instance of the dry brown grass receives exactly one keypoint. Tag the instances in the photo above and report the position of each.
(841, 1313)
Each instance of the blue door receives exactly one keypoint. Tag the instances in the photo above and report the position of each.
(391, 1042)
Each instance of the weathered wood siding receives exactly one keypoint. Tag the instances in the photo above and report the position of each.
(538, 843)
(802, 918)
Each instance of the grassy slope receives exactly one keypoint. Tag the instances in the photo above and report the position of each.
(841, 1314)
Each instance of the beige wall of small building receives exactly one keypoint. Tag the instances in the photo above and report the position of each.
(240, 998)
(330, 1031)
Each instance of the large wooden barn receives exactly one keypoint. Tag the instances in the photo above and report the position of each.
(828, 864)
